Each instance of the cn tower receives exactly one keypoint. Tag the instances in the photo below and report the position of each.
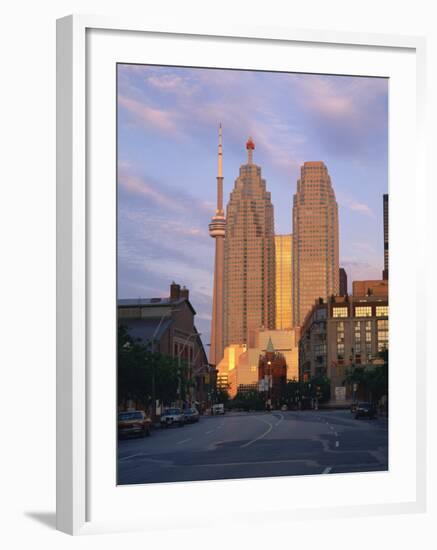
(217, 229)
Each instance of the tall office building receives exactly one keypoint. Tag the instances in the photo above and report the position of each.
(343, 282)
(385, 212)
(283, 276)
(315, 240)
(217, 229)
(249, 274)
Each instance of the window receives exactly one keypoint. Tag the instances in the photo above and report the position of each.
(382, 332)
(382, 311)
(339, 312)
(363, 311)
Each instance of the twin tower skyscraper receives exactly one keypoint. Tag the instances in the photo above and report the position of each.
(245, 290)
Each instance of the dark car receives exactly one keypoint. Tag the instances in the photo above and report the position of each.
(191, 415)
(133, 423)
(354, 407)
(365, 410)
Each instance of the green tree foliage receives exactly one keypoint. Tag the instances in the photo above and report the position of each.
(247, 401)
(144, 375)
(222, 396)
(373, 379)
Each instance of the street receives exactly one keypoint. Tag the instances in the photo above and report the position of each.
(244, 445)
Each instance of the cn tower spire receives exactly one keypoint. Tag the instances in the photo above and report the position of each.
(217, 229)
(220, 174)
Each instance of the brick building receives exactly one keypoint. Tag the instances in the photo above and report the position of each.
(168, 325)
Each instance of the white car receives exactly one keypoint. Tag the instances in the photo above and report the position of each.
(218, 408)
(172, 417)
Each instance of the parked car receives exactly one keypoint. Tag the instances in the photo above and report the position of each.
(172, 417)
(133, 423)
(191, 415)
(218, 408)
(365, 410)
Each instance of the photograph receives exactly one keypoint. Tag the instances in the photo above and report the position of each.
(252, 274)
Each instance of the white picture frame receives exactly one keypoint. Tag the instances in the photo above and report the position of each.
(76, 210)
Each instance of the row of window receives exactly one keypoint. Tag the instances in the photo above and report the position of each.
(360, 311)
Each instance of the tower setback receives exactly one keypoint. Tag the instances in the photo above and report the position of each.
(315, 240)
(249, 266)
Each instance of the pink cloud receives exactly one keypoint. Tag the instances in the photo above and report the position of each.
(171, 83)
(164, 121)
(137, 185)
(352, 204)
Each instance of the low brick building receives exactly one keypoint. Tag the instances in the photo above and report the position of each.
(168, 325)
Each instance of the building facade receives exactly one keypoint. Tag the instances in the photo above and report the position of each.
(272, 375)
(167, 324)
(284, 278)
(342, 282)
(249, 256)
(239, 367)
(385, 214)
(315, 240)
(370, 288)
(312, 343)
(357, 334)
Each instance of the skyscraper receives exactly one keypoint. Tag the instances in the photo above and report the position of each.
(315, 240)
(283, 276)
(217, 229)
(343, 282)
(249, 274)
(385, 211)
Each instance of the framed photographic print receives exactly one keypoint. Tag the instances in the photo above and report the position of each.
(234, 209)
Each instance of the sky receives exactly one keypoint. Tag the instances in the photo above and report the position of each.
(168, 120)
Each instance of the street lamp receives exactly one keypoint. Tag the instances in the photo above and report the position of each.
(270, 384)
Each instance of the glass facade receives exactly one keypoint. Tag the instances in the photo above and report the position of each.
(284, 293)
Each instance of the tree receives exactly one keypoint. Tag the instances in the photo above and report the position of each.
(373, 380)
(145, 375)
(222, 395)
(248, 401)
(320, 388)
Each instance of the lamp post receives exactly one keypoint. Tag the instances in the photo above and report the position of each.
(270, 384)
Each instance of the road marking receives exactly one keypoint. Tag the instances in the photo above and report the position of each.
(215, 464)
(212, 446)
(130, 456)
(183, 441)
(269, 429)
(337, 443)
(209, 432)
(280, 420)
(327, 470)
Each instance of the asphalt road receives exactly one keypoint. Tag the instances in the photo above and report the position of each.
(247, 445)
